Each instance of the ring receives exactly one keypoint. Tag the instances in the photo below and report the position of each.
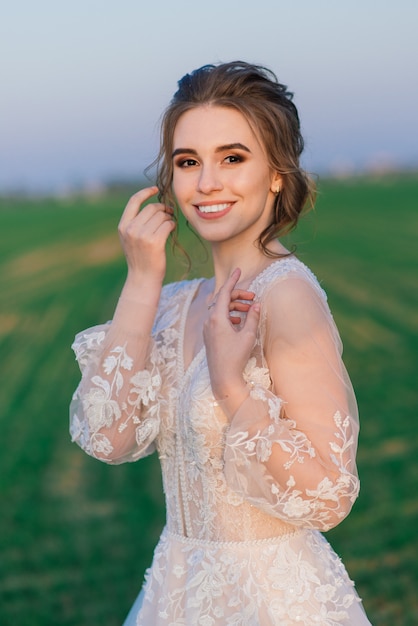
(211, 305)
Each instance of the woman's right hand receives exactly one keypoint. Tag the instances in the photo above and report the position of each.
(143, 233)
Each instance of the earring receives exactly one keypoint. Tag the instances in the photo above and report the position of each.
(277, 191)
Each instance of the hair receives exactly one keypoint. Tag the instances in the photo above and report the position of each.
(256, 93)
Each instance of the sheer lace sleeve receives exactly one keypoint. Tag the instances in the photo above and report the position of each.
(291, 446)
(116, 410)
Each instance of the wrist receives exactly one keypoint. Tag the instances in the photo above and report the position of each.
(230, 397)
(141, 289)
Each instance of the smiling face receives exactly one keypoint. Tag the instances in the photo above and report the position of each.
(221, 177)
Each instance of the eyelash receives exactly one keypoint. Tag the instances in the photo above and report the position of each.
(237, 159)
(186, 163)
(230, 159)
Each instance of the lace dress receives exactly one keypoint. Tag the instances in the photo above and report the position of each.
(246, 498)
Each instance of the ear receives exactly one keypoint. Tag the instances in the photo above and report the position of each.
(276, 183)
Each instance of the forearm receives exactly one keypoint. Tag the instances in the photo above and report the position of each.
(133, 320)
(305, 477)
(120, 378)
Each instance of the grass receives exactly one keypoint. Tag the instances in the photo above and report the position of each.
(75, 534)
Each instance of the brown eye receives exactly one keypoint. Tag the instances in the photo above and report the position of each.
(186, 163)
(233, 158)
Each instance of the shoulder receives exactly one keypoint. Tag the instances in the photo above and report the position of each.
(287, 275)
(293, 302)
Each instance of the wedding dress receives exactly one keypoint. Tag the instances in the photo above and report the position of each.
(246, 499)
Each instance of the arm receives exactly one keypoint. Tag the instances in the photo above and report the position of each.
(114, 416)
(290, 449)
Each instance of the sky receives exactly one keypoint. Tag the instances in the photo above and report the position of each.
(83, 83)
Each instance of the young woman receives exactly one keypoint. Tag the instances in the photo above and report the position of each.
(236, 381)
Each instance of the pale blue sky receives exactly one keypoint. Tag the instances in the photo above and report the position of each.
(83, 83)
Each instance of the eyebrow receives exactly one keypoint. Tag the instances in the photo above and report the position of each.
(225, 148)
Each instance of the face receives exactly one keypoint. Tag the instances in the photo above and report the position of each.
(221, 177)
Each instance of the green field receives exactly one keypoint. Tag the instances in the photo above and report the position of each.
(75, 534)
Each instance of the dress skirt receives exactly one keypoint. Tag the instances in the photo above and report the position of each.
(291, 580)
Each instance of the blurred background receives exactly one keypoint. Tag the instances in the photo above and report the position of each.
(84, 83)
(82, 88)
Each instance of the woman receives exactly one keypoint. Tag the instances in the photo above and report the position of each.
(236, 381)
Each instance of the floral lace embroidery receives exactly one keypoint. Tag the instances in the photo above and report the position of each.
(247, 452)
(296, 579)
(212, 473)
(118, 397)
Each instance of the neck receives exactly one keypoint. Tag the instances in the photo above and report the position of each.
(250, 260)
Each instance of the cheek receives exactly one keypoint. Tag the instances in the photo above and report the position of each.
(256, 187)
(256, 180)
(183, 192)
(174, 181)
(181, 185)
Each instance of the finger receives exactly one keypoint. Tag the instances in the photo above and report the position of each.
(154, 208)
(159, 224)
(225, 292)
(252, 319)
(240, 307)
(165, 229)
(243, 307)
(241, 294)
(135, 202)
(143, 217)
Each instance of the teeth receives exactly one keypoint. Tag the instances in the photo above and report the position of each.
(213, 208)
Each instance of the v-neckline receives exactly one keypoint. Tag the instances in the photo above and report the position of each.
(195, 286)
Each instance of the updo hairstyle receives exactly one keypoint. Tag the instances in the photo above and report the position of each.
(267, 105)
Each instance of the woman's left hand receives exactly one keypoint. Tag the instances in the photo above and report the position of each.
(229, 346)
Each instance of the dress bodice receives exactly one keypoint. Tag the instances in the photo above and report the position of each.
(191, 445)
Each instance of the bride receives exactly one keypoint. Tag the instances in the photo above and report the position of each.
(236, 381)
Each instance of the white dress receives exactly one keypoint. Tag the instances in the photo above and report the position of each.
(246, 498)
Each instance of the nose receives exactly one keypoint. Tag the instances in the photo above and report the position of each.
(209, 180)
